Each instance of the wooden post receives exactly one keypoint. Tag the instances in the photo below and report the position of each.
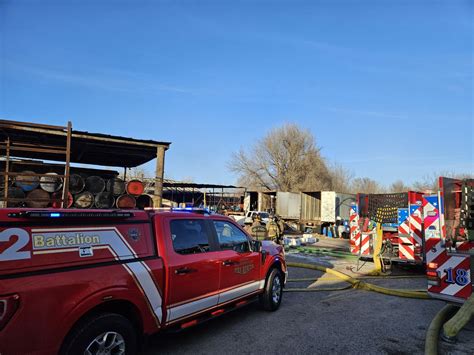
(159, 175)
(65, 197)
(7, 170)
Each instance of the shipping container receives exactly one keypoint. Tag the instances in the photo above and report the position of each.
(259, 201)
(314, 207)
(288, 205)
(251, 201)
(310, 206)
(328, 206)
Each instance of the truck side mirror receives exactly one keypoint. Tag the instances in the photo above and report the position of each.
(257, 246)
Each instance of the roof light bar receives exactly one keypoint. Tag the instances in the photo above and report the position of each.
(180, 209)
(192, 210)
(48, 214)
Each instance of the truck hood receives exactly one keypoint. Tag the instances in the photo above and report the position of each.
(272, 248)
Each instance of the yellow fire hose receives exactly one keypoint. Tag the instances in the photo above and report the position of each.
(378, 261)
(431, 340)
(460, 319)
(450, 329)
(294, 289)
(361, 285)
(393, 277)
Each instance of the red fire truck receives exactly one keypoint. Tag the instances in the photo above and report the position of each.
(449, 235)
(401, 218)
(96, 281)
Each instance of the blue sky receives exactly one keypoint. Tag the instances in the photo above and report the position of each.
(386, 87)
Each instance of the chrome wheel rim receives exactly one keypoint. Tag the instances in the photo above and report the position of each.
(108, 343)
(276, 290)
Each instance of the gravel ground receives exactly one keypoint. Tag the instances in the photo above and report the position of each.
(334, 322)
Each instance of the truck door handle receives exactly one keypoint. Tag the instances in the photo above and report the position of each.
(229, 263)
(184, 270)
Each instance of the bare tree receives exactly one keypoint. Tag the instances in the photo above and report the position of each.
(429, 182)
(341, 178)
(286, 159)
(135, 173)
(399, 186)
(366, 185)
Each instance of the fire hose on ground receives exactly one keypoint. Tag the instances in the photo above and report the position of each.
(450, 328)
(432, 334)
(357, 283)
(448, 324)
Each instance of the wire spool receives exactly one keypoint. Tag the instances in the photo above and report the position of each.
(38, 198)
(57, 197)
(126, 202)
(51, 183)
(76, 184)
(16, 196)
(25, 182)
(144, 201)
(95, 184)
(135, 187)
(84, 200)
(116, 186)
(104, 200)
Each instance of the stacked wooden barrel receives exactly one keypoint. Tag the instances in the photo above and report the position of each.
(91, 191)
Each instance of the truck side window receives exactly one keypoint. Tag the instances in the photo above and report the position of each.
(231, 238)
(189, 236)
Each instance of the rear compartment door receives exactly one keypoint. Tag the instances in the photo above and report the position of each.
(239, 265)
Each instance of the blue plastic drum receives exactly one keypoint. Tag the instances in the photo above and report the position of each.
(27, 182)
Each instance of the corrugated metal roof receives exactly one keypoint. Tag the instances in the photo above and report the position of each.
(86, 147)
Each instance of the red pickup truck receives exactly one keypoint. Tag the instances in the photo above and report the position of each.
(96, 282)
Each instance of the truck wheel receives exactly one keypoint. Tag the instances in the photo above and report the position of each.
(106, 333)
(271, 298)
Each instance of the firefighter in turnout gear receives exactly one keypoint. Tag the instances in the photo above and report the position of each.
(248, 227)
(259, 231)
(273, 230)
(281, 225)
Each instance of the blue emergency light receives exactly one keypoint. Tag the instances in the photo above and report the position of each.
(192, 210)
(70, 214)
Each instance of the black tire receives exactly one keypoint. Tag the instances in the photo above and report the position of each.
(86, 331)
(268, 300)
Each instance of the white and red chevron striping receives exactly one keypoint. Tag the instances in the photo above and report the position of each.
(365, 244)
(354, 230)
(404, 228)
(416, 225)
(463, 246)
(436, 253)
(406, 247)
(446, 262)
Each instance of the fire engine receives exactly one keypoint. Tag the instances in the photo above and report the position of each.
(401, 219)
(449, 235)
(436, 230)
(97, 281)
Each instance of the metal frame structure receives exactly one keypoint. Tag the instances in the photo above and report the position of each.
(58, 143)
(13, 146)
(201, 194)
